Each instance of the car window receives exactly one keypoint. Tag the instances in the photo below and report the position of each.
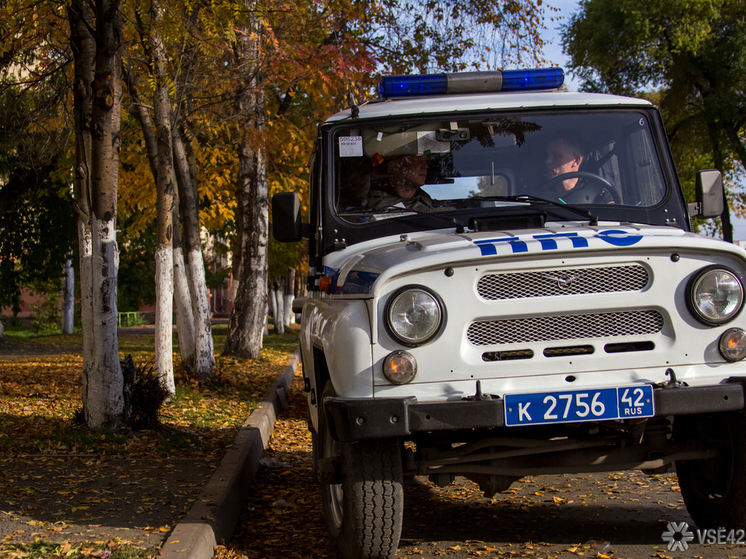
(594, 157)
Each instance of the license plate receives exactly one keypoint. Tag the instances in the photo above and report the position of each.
(626, 402)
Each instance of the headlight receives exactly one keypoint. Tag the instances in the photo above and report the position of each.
(715, 295)
(414, 315)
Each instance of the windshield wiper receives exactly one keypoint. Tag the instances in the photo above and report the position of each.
(530, 198)
(460, 227)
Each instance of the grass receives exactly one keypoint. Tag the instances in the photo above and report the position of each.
(40, 394)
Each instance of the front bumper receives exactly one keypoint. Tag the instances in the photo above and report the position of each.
(376, 418)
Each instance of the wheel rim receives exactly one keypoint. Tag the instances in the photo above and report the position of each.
(334, 491)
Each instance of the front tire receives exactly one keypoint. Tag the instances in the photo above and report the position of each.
(714, 490)
(364, 510)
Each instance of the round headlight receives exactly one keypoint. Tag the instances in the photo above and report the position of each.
(715, 295)
(399, 367)
(414, 316)
(733, 344)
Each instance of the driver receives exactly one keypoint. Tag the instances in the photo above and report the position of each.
(402, 187)
(564, 155)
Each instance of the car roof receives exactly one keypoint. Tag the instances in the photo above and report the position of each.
(487, 101)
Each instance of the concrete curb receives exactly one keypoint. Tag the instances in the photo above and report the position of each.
(215, 513)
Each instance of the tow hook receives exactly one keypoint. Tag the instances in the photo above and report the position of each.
(673, 382)
(479, 395)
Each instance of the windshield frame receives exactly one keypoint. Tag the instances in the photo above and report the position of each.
(339, 232)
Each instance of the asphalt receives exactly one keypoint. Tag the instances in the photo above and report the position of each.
(215, 514)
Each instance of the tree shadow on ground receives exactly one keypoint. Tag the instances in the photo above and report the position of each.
(581, 511)
(79, 497)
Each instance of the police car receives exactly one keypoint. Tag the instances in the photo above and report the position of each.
(504, 281)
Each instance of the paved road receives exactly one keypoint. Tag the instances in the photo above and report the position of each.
(614, 516)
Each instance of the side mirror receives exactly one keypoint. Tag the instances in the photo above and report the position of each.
(286, 221)
(709, 194)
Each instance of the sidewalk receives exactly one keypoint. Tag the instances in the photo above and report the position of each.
(86, 497)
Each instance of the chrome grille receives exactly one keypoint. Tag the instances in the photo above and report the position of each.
(572, 281)
(565, 327)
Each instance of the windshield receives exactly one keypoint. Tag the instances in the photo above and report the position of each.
(579, 158)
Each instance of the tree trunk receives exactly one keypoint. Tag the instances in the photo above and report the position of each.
(97, 110)
(289, 317)
(186, 175)
(250, 304)
(104, 401)
(83, 45)
(68, 299)
(166, 189)
(184, 315)
(279, 302)
(204, 355)
(273, 303)
(2, 331)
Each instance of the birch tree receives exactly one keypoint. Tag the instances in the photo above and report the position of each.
(184, 314)
(204, 358)
(343, 47)
(96, 42)
(68, 298)
(193, 324)
(166, 189)
(252, 220)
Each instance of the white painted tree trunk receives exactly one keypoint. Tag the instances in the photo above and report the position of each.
(273, 304)
(184, 314)
(164, 292)
(97, 55)
(279, 312)
(250, 256)
(288, 297)
(288, 307)
(166, 191)
(85, 251)
(2, 331)
(204, 355)
(68, 299)
(105, 387)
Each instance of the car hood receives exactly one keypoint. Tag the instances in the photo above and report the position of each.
(363, 268)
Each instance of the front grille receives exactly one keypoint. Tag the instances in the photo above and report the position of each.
(566, 327)
(552, 283)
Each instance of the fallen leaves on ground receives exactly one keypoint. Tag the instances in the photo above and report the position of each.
(283, 517)
(59, 481)
(542, 517)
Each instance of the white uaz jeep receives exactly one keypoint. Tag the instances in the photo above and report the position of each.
(505, 282)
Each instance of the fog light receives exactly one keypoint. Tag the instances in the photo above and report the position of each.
(733, 344)
(399, 367)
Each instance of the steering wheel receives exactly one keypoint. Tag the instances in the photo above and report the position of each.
(586, 194)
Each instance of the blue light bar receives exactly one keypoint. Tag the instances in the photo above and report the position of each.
(531, 80)
(412, 86)
(470, 82)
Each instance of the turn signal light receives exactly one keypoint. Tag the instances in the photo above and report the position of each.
(733, 344)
